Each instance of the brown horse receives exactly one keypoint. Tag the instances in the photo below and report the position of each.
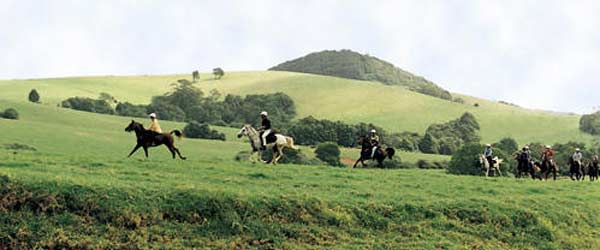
(147, 138)
(549, 166)
(366, 152)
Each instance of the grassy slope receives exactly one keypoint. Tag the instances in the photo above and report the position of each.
(80, 165)
(392, 107)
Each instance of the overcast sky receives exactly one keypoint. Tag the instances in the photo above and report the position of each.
(539, 54)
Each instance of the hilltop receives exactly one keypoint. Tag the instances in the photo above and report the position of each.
(353, 65)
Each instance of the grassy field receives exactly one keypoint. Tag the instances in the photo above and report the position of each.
(391, 107)
(78, 190)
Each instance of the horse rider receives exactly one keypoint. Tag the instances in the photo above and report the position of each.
(154, 124)
(547, 156)
(374, 140)
(525, 158)
(265, 129)
(489, 154)
(577, 156)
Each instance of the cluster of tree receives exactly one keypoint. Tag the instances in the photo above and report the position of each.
(447, 138)
(202, 131)
(590, 123)
(311, 131)
(88, 104)
(10, 113)
(188, 103)
(353, 65)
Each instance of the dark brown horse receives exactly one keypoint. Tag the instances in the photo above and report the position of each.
(576, 169)
(366, 152)
(548, 166)
(147, 138)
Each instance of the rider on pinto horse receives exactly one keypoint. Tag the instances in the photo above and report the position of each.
(265, 129)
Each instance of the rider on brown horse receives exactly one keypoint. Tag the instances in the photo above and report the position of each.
(374, 140)
(547, 157)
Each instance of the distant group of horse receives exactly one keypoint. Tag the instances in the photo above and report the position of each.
(274, 141)
(541, 170)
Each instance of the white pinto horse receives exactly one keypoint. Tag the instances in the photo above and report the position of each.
(280, 143)
(486, 165)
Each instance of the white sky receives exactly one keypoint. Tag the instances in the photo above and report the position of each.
(538, 54)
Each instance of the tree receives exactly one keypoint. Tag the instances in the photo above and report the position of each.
(329, 152)
(164, 110)
(508, 145)
(195, 76)
(590, 123)
(34, 96)
(107, 97)
(218, 72)
(466, 160)
(10, 113)
(184, 95)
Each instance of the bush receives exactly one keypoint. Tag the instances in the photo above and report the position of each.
(10, 113)
(132, 110)
(203, 131)
(329, 152)
(88, 104)
(34, 96)
(394, 163)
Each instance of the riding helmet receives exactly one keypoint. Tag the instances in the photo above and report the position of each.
(264, 113)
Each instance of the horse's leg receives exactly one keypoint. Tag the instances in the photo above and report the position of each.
(356, 163)
(146, 151)
(279, 154)
(499, 172)
(179, 153)
(138, 146)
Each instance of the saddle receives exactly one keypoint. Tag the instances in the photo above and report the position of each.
(271, 137)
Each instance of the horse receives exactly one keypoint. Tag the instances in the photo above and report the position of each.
(485, 165)
(575, 170)
(366, 152)
(523, 167)
(147, 138)
(593, 170)
(549, 166)
(275, 141)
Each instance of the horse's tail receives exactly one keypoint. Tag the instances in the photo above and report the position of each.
(289, 142)
(177, 133)
(390, 152)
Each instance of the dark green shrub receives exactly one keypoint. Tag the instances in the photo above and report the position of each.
(34, 96)
(10, 113)
(203, 131)
(88, 104)
(329, 152)
(132, 110)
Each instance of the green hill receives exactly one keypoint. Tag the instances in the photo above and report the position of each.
(78, 191)
(393, 107)
(352, 65)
